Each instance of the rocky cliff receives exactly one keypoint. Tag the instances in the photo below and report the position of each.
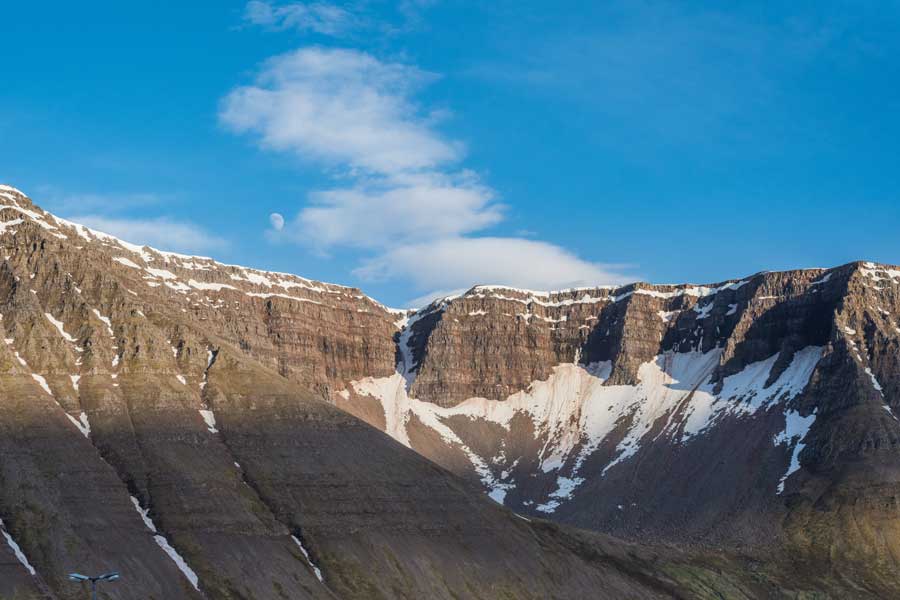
(163, 416)
(755, 414)
(202, 428)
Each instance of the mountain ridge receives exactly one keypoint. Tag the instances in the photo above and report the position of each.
(790, 380)
(202, 396)
(475, 288)
(160, 418)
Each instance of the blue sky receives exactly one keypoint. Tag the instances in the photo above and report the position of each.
(422, 146)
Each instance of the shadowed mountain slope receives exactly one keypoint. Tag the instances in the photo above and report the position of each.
(188, 423)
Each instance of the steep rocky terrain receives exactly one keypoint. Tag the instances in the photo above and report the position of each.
(202, 428)
(163, 416)
(754, 414)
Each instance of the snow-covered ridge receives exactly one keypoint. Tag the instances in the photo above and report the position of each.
(880, 272)
(573, 412)
(610, 293)
(160, 267)
(157, 265)
(593, 295)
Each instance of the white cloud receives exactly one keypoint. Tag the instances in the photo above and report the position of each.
(276, 221)
(352, 110)
(341, 106)
(405, 208)
(458, 263)
(318, 17)
(407, 204)
(160, 232)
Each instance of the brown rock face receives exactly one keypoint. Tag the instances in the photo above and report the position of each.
(163, 416)
(186, 423)
(754, 414)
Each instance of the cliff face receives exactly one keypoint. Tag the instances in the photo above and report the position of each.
(163, 416)
(755, 413)
(200, 426)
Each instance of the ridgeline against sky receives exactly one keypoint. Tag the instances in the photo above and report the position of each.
(421, 147)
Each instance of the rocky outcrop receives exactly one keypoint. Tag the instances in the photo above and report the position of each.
(215, 431)
(163, 416)
(753, 414)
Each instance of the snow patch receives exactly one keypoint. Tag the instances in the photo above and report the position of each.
(161, 273)
(398, 407)
(104, 320)
(177, 286)
(17, 551)
(667, 316)
(795, 429)
(186, 570)
(574, 412)
(128, 263)
(745, 392)
(565, 486)
(210, 419)
(82, 423)
(216, 287)
(59, 327)
(267, 295)
(824, 279)
(703, 311)
(406, 365)
(308, 559)
(875, 383)
(879, 272)
(5, 225)
(163, 543)
(40, 380)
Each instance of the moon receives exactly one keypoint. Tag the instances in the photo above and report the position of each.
(277, 221)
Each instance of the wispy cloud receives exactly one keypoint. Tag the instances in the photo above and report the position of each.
(353, 20)
(159, 232)
(350, 111)
(459, 263)
(341, 106)
(114, 213)
(408, 202)
(402, 209)
(318, 17)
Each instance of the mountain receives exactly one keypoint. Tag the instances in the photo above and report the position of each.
(755, 414)
(215, 431)
(162, 416)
